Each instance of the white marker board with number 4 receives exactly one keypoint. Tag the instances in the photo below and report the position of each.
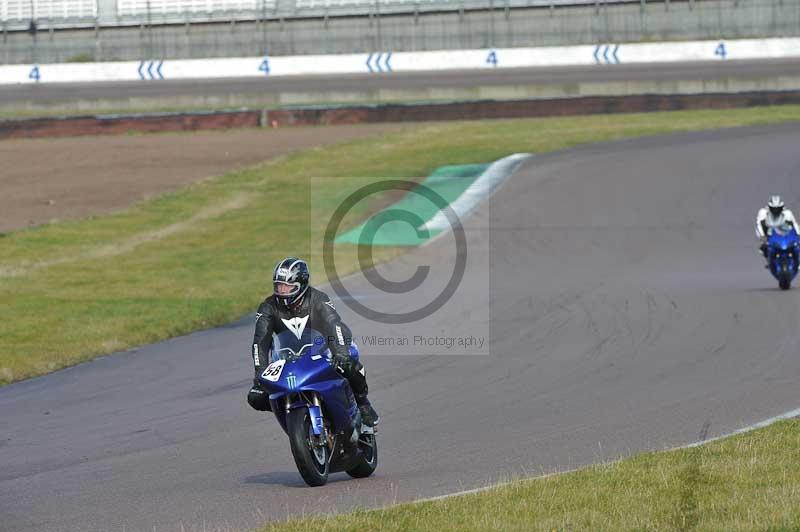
(273, 371)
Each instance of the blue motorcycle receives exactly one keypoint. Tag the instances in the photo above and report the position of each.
(316, 408)
(782, 250)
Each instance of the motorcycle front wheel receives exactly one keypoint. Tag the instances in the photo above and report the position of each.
(312, 460)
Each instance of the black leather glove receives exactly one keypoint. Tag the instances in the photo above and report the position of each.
(258, 397)
(346, 362)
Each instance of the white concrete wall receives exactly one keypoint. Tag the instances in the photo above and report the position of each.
(606, 55)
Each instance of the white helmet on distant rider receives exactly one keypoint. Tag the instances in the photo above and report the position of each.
(775, 206)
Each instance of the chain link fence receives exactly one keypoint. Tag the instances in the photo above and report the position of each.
(282, 27)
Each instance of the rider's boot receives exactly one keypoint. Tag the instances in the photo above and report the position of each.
(369, 416)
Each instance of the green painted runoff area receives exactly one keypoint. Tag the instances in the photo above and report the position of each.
(397, 225)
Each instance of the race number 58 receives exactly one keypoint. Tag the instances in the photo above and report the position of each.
(273, 371)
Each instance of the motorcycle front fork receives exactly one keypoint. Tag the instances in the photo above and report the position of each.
(325, 437)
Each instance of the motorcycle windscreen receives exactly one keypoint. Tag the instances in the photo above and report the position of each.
(296, 342)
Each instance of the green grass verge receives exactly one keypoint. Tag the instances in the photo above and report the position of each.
(202, 257)
(746, 482)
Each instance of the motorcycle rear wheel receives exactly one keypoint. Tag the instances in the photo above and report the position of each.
(368, 461)
(312, 462)
(785, 283)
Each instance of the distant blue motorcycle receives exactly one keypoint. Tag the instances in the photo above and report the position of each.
(316, 408)
(782, 250)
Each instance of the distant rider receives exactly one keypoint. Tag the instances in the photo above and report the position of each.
(772, 216)
(294, 298)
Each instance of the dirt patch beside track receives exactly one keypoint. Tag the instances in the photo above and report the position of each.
(69, 178)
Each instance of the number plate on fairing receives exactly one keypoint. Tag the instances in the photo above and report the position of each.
(273, 371)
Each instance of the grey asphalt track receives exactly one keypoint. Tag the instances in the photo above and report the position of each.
(627, 311)
(68, 92)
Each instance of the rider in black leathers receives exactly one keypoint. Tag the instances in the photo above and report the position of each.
(296, 304)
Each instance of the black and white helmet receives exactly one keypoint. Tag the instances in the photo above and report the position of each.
(290, 280)
(775, 205)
